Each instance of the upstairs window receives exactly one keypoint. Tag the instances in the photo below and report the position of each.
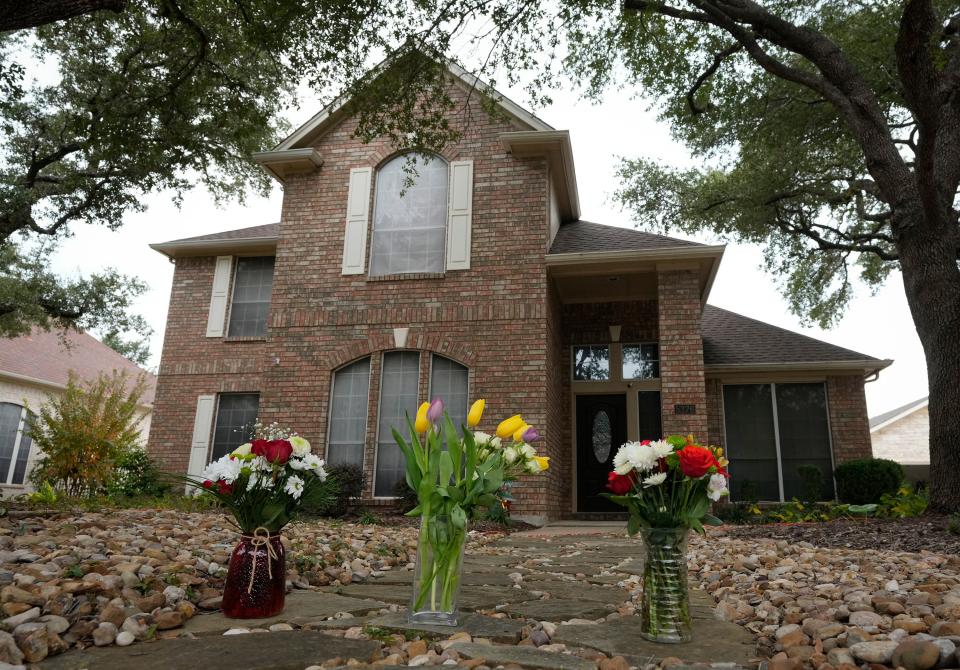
(252, 285)
(409, 220)
(641, 361)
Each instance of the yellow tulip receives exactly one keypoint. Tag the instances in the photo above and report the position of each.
(422, 424)
(476, 411)
(521, 429)
(509, 426)
(543, 462)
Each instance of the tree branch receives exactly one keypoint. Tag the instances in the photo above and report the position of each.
(21, 14)
(718, 59)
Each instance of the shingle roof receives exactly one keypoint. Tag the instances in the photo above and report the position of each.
(265, 230)
(734, 339)
(584, 236)
(886, 416)
(42, 355)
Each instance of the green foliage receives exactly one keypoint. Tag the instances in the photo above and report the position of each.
(953, 524)
(405, 498)
(136, 474)
(136, 349)
(905, 502)
(348, 478)
(368, 518)
(812, 482)
(866, 480)
(44, 495)
(84, 432)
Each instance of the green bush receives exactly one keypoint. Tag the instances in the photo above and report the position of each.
(349, 480)
(406, 497)
(866, 480)
(811, 478)
(136, 474)
(906, 502)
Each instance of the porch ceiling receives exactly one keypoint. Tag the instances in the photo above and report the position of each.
(607, 287)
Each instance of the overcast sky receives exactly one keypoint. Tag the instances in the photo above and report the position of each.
(879, 325)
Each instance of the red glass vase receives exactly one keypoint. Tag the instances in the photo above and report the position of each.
(257, 577)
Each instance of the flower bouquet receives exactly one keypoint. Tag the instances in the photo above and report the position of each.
(454, 473)
(667, 487)
(264, 483)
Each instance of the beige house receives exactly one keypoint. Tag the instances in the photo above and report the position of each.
(32, 368)
(903, 434)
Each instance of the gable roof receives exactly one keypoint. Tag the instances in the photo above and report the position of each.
(881, 420)
(585, 236)
(41, 357)
(731, 340)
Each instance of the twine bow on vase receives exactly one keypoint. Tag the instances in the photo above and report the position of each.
(261, 538)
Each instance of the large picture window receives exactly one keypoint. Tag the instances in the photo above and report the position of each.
(773, 431)
(399, 381)
(15, 443)
(252, 285)
(236, 414)
(449, 381)
(348, 413)
(409, 220)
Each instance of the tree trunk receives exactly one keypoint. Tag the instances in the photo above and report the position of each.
(20, 14)
(931, 280)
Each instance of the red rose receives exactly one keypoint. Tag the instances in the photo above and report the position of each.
(275, 451)
(619, 484)
(696, 461)
(224, 488)
(207, 483)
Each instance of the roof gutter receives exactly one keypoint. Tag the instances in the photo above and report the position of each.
(280, 163)
(211, 247)
(619, 256)
(866, 365)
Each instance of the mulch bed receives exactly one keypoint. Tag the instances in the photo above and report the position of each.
(927, 533)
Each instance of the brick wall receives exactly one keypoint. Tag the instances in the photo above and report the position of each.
(681, 351)
(849, 421)
(906, 440)
(492, 318)
(715, 413)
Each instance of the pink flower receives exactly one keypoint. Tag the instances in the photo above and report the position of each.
(435, 413)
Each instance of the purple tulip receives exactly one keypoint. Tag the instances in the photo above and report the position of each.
(531, 435)
(435, 413)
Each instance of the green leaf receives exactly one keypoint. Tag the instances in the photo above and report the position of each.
(446, 468)
(633, 524)
(710, 520)
(458, 517)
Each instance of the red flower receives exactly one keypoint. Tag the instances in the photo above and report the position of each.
(207, 483)
(696, 461)
(275, 451)
(224, 488)
(619, 484)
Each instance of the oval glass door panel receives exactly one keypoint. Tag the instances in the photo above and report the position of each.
(602, 438)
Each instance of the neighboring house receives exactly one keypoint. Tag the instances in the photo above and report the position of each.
(36, 366)
(482, 282)
(903, 434)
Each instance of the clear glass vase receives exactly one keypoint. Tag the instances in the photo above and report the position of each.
(436, 579)
(665, 602)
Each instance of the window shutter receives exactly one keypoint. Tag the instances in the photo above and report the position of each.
(459, 215)
(217, 315)
(358, 209)
(200, 445)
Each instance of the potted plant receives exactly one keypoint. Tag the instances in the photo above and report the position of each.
(667, 487)
(454, 473)
(263, 483)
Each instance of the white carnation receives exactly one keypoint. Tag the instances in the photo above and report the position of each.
(481, 439)
(528, 451)
(510, 455)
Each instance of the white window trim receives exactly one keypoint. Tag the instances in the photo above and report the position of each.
(376, 439)
(366, 416)
(8, 479)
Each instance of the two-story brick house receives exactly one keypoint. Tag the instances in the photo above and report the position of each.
(480, 281)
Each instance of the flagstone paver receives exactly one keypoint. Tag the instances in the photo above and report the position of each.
(506, 631)
(527, 657)
(288, 650)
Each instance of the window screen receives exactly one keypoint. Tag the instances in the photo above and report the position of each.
(348, 413)
(641, 361)
(751, 442)
(804, 437)
(409, 221)
(251, 297)
(398, 399)
(448, 381)
(591, 363)
(236, 414)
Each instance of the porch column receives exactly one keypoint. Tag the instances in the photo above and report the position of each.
(682, 385)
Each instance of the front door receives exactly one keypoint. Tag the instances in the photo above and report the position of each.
(601, 429)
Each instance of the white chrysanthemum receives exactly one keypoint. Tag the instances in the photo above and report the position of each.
(300, 446)
(717, 487)
(622, 461)
(661, 448)
(643, 457)
(224, 468)
(655, 480)
(294, 486)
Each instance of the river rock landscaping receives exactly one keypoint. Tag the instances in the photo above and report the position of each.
(87, 589)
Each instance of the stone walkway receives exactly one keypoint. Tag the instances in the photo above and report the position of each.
(553, 599)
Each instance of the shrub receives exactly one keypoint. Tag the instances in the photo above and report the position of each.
(906, 502)
(406, 497)
(811, 478)
(349, 480)
(85, 431)
(866, 480)
(136, 474)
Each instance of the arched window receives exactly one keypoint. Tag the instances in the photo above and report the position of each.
(399, 381)
(348, 413)
(409, 221)
(448, 380)
(15, 443)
